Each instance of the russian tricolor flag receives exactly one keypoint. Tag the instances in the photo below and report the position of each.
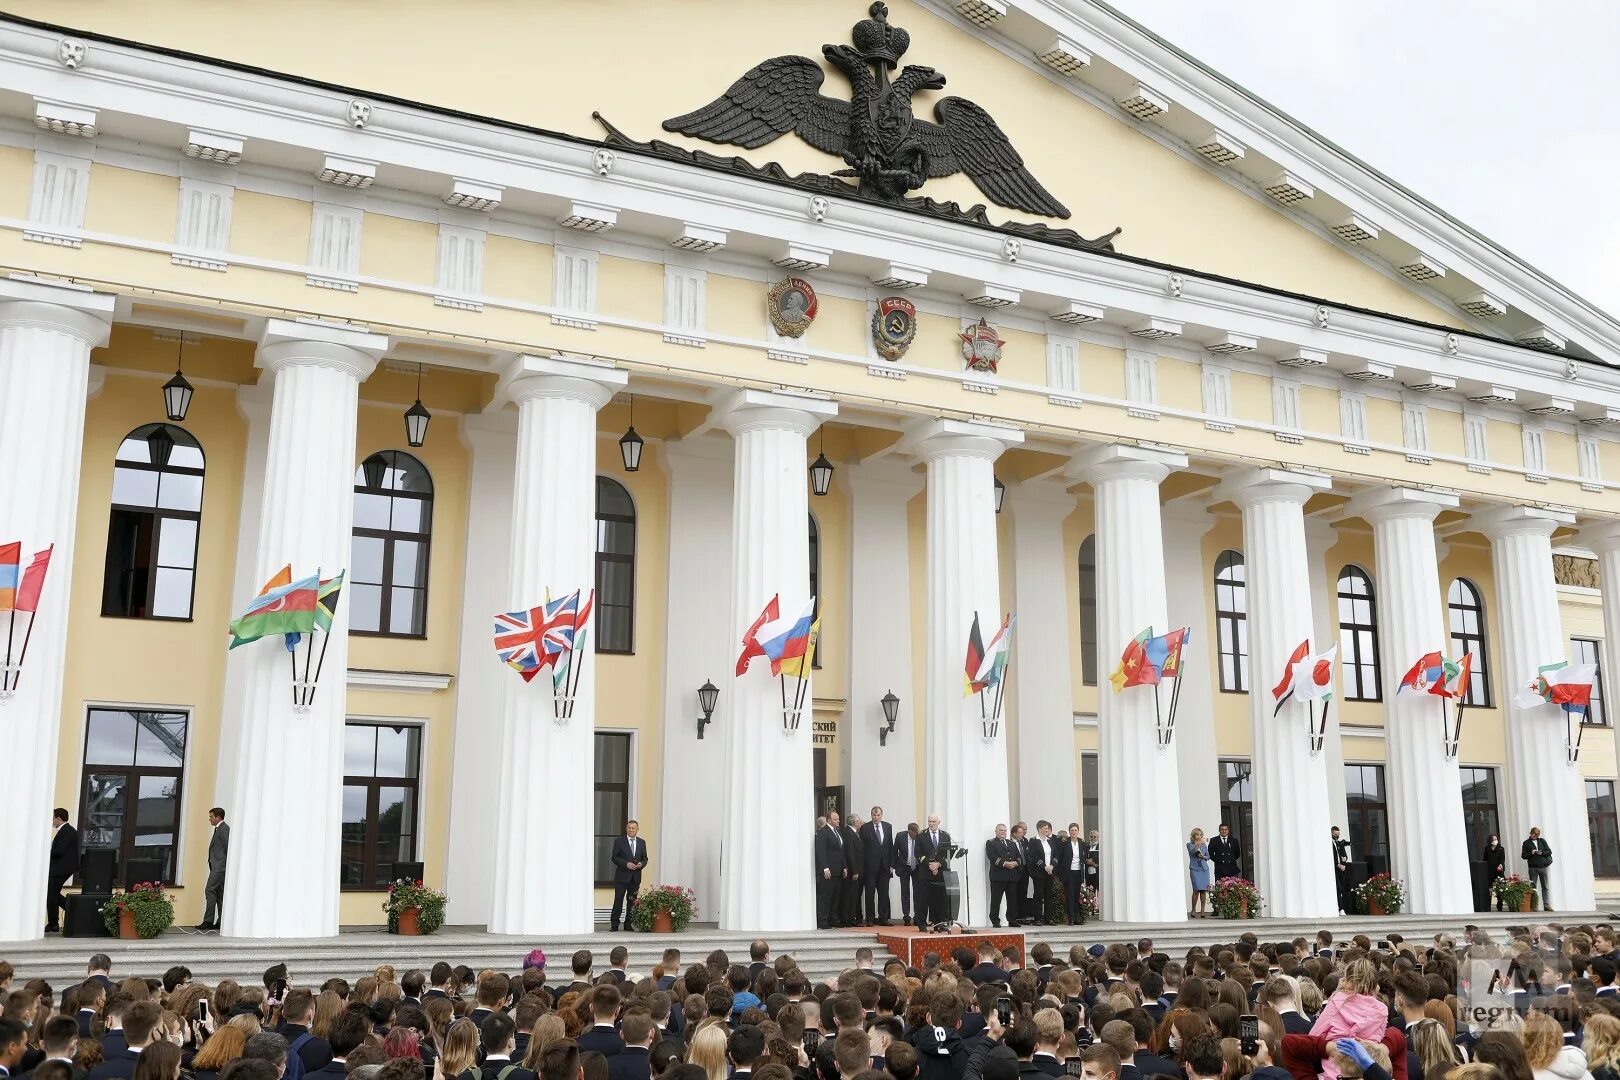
(787, 639)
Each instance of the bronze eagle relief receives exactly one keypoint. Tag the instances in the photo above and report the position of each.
(888, 149)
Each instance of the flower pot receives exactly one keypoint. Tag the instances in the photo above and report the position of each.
(126, 925)
(407, 922)
(663, 923)
(1243, 908)
(1526, 900)
(1375, 908)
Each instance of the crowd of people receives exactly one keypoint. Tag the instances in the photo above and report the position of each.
(1541, 1005)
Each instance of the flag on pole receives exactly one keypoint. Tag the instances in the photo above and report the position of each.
(1285, 685)
(287, 609)
(1423, 675)
(10, 557)
(787, 639)
(561, 622)
(750, 642)
(1163, 653)
(1566, 685)
(994, 664)
(33, 580)
(1134, 669)
(517, 640)
(326, 598)
(799, 666)
(1458, 687)
(1313, 676)
(974, 660)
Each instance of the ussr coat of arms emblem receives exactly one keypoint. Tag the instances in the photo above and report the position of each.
(981, 349)
(791, 304)
(894, 326)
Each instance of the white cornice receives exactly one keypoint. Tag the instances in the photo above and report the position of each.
(403, 682)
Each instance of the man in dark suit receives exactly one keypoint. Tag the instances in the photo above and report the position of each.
(64, 862)
(1341, 876)
(1537, 855)
(140, 1021)
(1226, 853)
(629, 859)
(933, 845)
(1094, 860)
(634, 1062)
(219, 845)
(1040, 858)
(13, 1044)
(603, 1037)
(298, 1013)
(831, 871)
(905, 866)
(1006, 872)
(498, 1035)
(855, 860)
(348, 1031)
(1073, 855)
(1018, 909)
(877, 841)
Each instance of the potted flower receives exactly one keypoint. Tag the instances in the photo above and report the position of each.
(1235, 898)
(1514, 893)
(1088, 901)
(413, 908)
(665, 909)
(1381, 895)
(144, 911)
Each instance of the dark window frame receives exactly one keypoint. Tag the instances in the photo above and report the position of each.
(1482, 818)
(1605, 851)
(133, 774)
(1353, 634)
(1236, 775)
(1462, 641)
(618, 789)
(815, 587)
(159, 515)
(1088, 610)
(1090, 792)
(628, 560)
(374, 785)
(1225, 563)
(1590, 651)
(1362, 810)
(391, 537)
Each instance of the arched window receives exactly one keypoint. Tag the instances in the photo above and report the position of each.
(1466, 610)
(815, 583)
(615, 568)
(393, 523)
(1088, 611)
(151, 565)
(1358, 635)
(1232, 620)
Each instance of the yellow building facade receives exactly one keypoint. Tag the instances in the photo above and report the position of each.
(1288, 401)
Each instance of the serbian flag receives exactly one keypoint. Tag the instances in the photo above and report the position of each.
(1285, 686)
(996, 656)
(10, 557)
(1163, 653)
(788, 639)
(1134, 668)
(750, 642)
(799, 666)
(974, 660)
(1424, 675)
(33, 580)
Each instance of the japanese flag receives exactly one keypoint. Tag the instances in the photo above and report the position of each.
(1313, 676)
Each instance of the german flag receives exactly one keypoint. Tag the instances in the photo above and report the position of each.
(975, 660)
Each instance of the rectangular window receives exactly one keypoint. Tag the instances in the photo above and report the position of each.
(1480, 816)
(1475, 448)
(574, 287)
(1237, 806)
(1535, 450)
(685, 305)
(1368, 815)
(612, 797)
(381, 772)
(1590, 651)
(130, 786)
(1353, 417)
(1062, 362)
(1090, 817)
(1600, 823)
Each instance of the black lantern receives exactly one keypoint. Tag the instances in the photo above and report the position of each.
(1001, 494)
(821, 469)
(891, 711)
(375, 471)
(417, 416)
(708, 696)
(630, 444)
(177, 392)
(159, 445)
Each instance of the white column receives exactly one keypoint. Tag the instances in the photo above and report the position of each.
(1428, 843)
(966, 775)
(769, 782)
(1047, 784)
(1319, 537)
(1291, 827)
(544, 865)
(1545, 789)
(46, 334)
(1144, 863)
(1187, 591)
(699, 620)
(287, 773)
(481, 681)
(881, 771)
(1604, 540)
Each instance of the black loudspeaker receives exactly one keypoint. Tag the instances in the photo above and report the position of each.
(407, 871)
(138, 871)
(83, 918)
(96, 871)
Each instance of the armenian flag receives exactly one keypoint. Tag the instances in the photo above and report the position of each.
(289, 609)
(10, 557)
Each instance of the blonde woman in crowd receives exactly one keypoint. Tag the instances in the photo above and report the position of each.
(1600, 1039)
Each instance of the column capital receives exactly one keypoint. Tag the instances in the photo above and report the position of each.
(1498, 522)
(288, 343)
(752, 410)
(59, 306)
(1120, 461)
(1386, 504)
(1601, 536)
(940, 437)
(572, 378)
(1249, 487)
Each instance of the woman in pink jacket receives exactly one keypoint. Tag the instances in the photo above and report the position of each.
(1353, 1012)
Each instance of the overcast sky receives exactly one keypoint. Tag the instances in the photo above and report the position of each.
(1505, 113)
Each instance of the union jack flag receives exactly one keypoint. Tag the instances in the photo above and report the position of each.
(528, 641)
(563, 619)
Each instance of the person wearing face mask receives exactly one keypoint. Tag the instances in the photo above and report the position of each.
(1495, 859)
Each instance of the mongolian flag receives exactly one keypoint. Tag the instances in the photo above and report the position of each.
(1134, 668)
(750, 642)
(33, 580)
(1424, 675)
(974, 661)
(287, 610)
(1163, 653)
(1285, 686)
(10, 557)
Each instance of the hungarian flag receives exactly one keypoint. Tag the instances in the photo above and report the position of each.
(994, 664)
(10, 557)
(750, 642)
(974, 661)
(1134, 667)
(287, 610)
(1424, 675)
(33, 580)
(1285, 686)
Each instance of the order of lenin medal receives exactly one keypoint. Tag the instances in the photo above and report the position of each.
(894, 326)
(792, 306)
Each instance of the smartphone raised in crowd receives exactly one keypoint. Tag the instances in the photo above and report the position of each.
(1074, 1066)
(1004, 1010)
(202, 1010)
(1248, 1035)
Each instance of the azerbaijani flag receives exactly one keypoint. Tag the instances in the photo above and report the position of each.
(1134, 668)
(787, 639)
(799, 666)
(994, 664)
(289, 609)
(10, 557)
